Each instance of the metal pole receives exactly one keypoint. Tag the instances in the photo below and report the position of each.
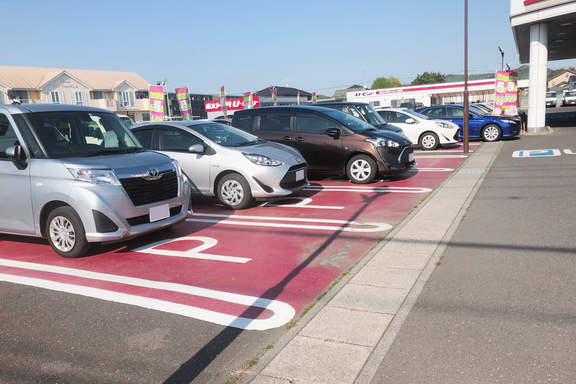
(466, 111)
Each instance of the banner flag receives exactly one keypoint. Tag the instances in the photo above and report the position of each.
(223, 102)
(506, 94)
(248, 100)
(274, 96)
(183, 98)
(314, 97)
(298, 98)
(156, 95)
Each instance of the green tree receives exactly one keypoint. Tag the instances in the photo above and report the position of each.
(429, 78)
(386, 82)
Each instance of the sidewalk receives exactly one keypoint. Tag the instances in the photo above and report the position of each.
(345, 337)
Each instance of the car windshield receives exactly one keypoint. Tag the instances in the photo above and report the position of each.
(571, 93)
(67, 134)
(551, 94)
(350, 121)
(416, 114)
(225, 135)
(371, 115)
(477, 110)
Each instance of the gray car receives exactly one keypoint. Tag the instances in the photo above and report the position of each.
(77, 176)
(226, 162)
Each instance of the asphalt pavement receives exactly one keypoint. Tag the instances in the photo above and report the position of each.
(476, 285)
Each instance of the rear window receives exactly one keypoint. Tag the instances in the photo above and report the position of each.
(244, 121)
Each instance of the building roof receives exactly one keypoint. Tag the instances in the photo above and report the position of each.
(280, 91)
(35, 77)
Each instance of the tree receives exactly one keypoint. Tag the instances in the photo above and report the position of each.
(429, 78)
(386, 82)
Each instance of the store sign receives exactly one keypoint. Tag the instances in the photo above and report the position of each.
(231, 104)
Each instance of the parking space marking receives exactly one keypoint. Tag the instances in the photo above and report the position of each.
(345, 226)
(431, 170)
(304, 203)
(441, 156)
(193, 253)
(282, 312)
(355, 189)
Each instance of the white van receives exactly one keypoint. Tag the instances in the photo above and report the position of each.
(78, 176)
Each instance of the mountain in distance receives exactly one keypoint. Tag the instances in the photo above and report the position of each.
(523, 72)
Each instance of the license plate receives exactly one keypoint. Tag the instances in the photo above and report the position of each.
(160, 212)
(411, 157)
(299, 174)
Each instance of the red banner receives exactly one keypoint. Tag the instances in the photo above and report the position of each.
(231, 104)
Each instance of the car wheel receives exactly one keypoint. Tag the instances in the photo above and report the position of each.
(491, 133)
(429, 141)
(66, 233)
(234, 192)
(361, 169)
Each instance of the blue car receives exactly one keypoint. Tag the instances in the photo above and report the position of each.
(480, 124)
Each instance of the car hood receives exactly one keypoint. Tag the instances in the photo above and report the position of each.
(388, 135)
(273, 150)
(127, 160)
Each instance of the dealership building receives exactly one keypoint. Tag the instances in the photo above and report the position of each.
(544, 30)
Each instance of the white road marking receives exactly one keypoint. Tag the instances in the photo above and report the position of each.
(304, 203)
(193, 253)
(345, 226)
(356, 189)
(283, 312)
(440, 156)
(431, 170)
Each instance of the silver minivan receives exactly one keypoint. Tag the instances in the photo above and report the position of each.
(76, 175)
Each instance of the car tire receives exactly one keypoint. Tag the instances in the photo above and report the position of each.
(66, 233)
(361, 169)
(429, 141)
(234, 192)
(491, 133)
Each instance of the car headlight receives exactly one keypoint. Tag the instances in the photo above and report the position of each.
(262, 160)
(443, 125)
(95, 176)
(509, 121)
(381, 142)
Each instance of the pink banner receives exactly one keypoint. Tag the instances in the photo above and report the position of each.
(156, 95)
(274, 96)
(183, 98)
(506, 94)
(223, 102)
(314, 98)
(247, 100)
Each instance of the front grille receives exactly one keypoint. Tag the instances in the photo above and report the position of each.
(145, 219)
(405, 156)
(289, 180)
(142, 191)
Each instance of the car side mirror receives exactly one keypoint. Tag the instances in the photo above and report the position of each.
(17, 155)
(410, 121)
(333, 132)
(197, 148)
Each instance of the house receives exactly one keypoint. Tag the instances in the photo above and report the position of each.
(121, 92)
(560, 81)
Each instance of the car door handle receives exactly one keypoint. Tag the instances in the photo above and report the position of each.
(287, 138)
(299, 138)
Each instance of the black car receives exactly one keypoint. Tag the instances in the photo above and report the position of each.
(331, 141)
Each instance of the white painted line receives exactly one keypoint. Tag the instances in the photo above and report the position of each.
(345, 226)
(193, 253)
(569, 152)
(440, 156)
(304, 203)
(356, 189)
(431, 170)
(283, 312)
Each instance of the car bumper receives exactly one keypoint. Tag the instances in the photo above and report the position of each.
(396, 160)
(279, 182)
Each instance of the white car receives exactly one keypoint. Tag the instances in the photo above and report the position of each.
(420, 129)
(225, 162)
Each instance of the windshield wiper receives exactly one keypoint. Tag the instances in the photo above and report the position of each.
(110, 151)
(370, 129)
(245, 143)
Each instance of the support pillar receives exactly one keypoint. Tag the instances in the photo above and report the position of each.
(538, 81)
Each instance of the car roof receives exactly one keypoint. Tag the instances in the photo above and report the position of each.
(340, 103)
(306, 107)
(27, 108)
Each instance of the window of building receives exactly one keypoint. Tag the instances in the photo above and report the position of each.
(55, 97)
(142, 95)
(126, 99)
(20, 96)
(78, 98)
(97, 95)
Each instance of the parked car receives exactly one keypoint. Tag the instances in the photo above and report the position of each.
(331, 141)
(125, 119)
(569, 98)
(226, 162)
(480, 125)
(427, 132)
(551, 99)
(76, 175)
(488, 108)
(360, 110)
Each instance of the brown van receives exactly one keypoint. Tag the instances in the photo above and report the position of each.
(331, 141)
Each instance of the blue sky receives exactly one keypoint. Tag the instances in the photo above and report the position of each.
(318, 46)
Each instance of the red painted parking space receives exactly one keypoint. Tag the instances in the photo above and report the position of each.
(252, 269)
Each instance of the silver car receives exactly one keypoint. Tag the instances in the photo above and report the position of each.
(226, 162)
(76, 175)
